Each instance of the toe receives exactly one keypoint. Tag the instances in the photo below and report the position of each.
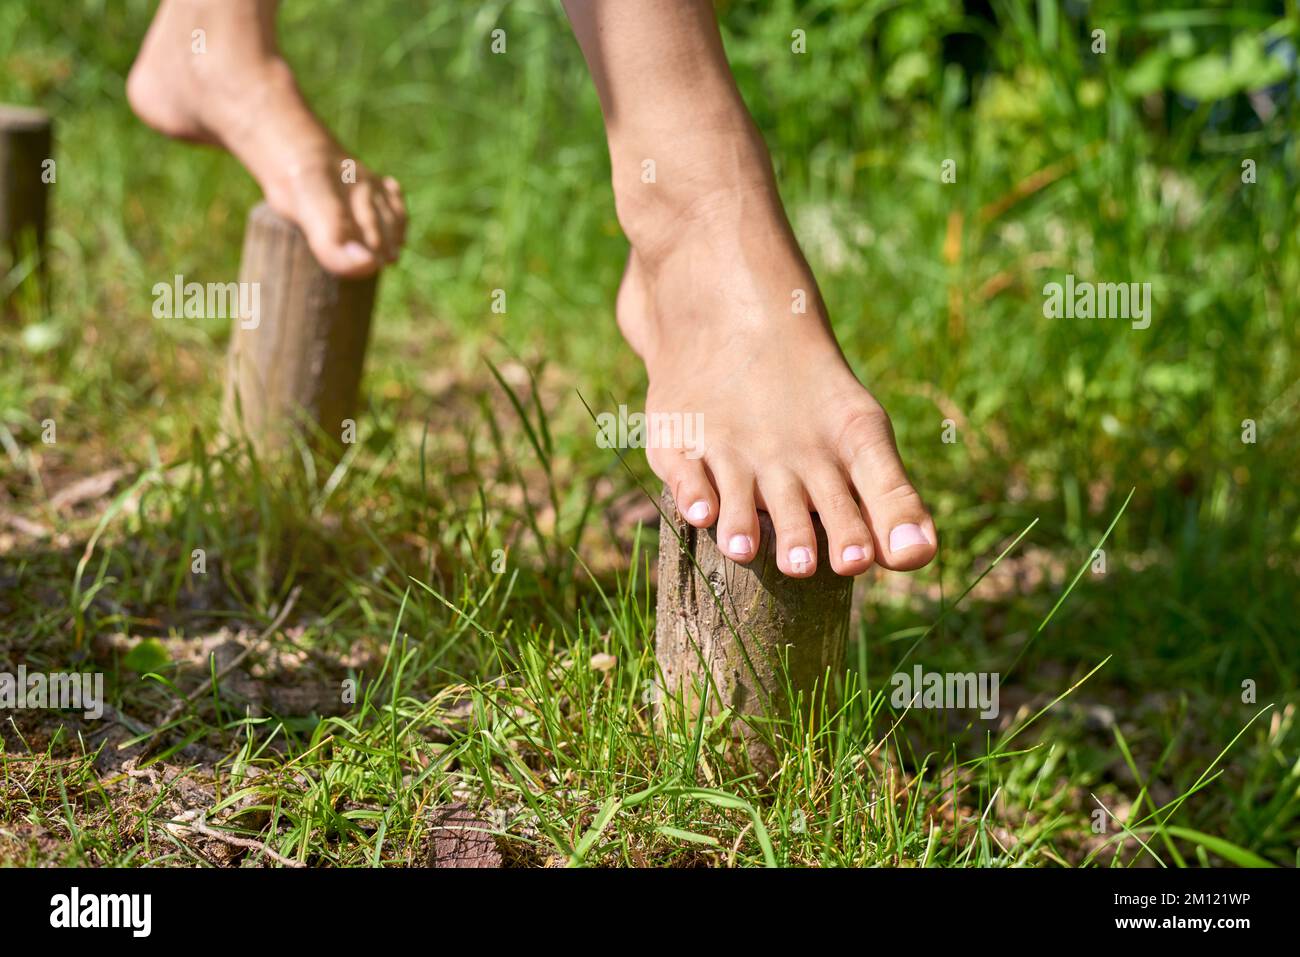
(903, 530)
(397, 202)
(334, 238)
(392, 220)
(738, 516)
(686, 477)
(384, 217)
(367, 219)
(796, 543)
(848, 540)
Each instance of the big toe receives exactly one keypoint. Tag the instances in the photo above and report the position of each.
(901, 526)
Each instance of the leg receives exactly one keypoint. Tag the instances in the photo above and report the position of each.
(230, 87)
(707, 302)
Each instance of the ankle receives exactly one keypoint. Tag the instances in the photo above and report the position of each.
(703, 180)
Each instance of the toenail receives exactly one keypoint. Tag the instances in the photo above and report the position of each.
(905, 536)
(740, 545)
(800, 558)
(854, 553)
(698, 512)
(356, 252)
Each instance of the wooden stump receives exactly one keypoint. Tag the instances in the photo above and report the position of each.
(739, 625)
(297, 365)
(25, 146)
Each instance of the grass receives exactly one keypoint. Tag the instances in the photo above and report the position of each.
(482, 570)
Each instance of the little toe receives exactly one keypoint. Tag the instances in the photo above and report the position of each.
(686, 477)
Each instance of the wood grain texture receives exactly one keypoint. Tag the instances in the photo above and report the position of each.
(26, 142)
(300, 367)
(738, 623)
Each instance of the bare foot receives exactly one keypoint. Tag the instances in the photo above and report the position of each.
(209, 71)
(710, 301)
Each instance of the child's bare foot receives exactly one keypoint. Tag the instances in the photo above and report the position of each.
(209, 71)
(711, 302)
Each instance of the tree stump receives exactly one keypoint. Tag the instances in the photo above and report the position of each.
(25, 174)
(295, 367)
(731, 629)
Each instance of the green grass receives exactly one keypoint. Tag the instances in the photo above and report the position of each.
(467, 577)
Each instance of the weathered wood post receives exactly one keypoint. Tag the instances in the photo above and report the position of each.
(295, 360)
(733, 628)
(26, 172)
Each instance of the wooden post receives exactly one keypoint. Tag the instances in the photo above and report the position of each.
(25, 146)
(296, 362)
(801, 622)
